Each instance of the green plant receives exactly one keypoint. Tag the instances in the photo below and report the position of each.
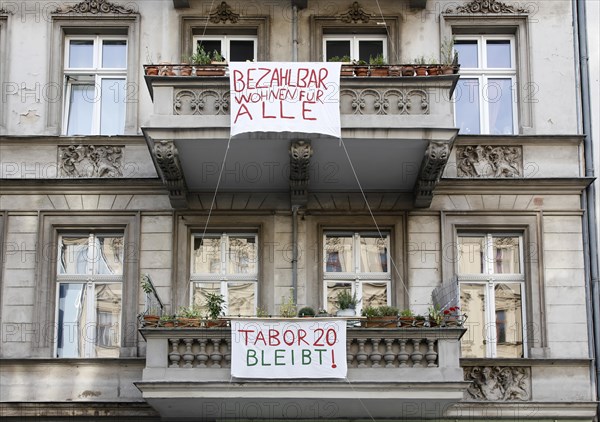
(214, 303)
(359, 62)
(447, 52)
(388, 310)
(307, 311)
(371, 312)
(217, 57)
(288, 309)
(189, 312)
(407, 313)
(146, 284)
(436, 314)
(421, 60)
(200, 56)
(166, 318)
(378, 60)
(343, 59)
(345, 300)
(261, 312)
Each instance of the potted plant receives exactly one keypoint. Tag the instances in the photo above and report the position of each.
(380, 317)
(421, 66)
(150, 68)
(419, 321)
(188, 316)
(407, 318)
(378, 65)
(203, 64)
(346, 303)
(449, 57)
(408, 70)
(305, 312)
(436, 316)
(151, 316)
(215, 305)
(186, 68)
(361, 68)
(288, 309)
(262, 312)
(453, 317)
(167, 321)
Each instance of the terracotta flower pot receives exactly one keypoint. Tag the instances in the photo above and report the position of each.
(185, 70)
(408, 71)
(381, 322)
(151, 70)
(421, 70)
(361, 70)
(379, 71)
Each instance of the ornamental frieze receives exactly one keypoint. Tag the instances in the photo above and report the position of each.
(355, 14)
(489, 161)
(90, 161)
(224, 13)
(486, 7)
(96, 7)
(498, 383)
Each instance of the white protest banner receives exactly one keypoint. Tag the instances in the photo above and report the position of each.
(305, 348)
(285, 97)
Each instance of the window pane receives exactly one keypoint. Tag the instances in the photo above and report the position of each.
(73, 255)
(81, 53)
(338, 254)
(71, 310)
(506, 255)
(333, 289)
(240, 51)
(206, 258)
(201, 290)
(498, 54)
(499, 95)
(470, 255)
(242, 299)
(337, 48)
(81, 108)
(368, 49)
(110, 249)
(210, 45)
(241, 255)
(108, 319)
(114, 54)
(472, 303)
(509, 322)
(373, 254)
(467, 107)
(374, 294)
(468, 56)
(112, 112)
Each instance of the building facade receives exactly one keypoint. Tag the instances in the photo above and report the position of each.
(462, 189)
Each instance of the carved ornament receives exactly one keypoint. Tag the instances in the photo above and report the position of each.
(200, 102)
(224, 13)
(90, 161)
(489, 161)
(300, 153)
(485, 7)
(96, 7)
(167, 158)
(436, 157)
(498, 383)
(355, 14)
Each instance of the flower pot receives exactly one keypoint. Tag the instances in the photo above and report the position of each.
(394, 70)
(381, 322)
(361, 70)
(447, 70)
(185, 70)
(379, 71)
(151, 70)
(216, 323)
(408, 71)
(188, 322)
(406, 322)
(421, 70)
(434, 70)
(167, 70)
(209, 70)
(347, 70)
(151, 320)
(346, 312)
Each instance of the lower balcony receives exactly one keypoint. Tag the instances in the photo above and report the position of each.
(392, 373)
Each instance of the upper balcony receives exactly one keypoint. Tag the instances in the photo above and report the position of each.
(397, 132)
(413, 372)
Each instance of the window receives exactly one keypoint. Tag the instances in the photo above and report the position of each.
(491, 279)
(358, 262)
(485, 96)
(238, 48)
(357, 47)
(226, 264)
(89, 295)
(95, 70)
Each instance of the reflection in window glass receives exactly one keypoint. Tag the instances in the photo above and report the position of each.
(108, 319)
(200, 293)
(81, 109)
(206, 256)
(70, 316)
(73, 255)
(242, 299)
(242, 255)
(333, 289)
(374, 293)
(472, 300)
(338, 254)
(509, 322)
(467, 107)
(373, 254)
(470, 254)
(506, 255)
(112, 112)
(500, 99)
(110, 249)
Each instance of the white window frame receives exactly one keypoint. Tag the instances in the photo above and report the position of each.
(90, 279)
(489, 279)
(354, 43)
(226, 43)
(483, 74)
(222, 278)
(93, 75)
(356, 278)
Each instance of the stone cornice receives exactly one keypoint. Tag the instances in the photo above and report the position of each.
(518, 140)
(73, 140)
(82, 186)
(512, 186)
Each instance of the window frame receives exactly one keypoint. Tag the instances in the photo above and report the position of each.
(51, 226)
(354, 40)
(223, 278)
(457, 24)
(63, 26)
(4, 57)
(356, 278)
(94, 76)
(226, 40)
(484, 74)
(489, 279)
(89, 280)
(528, 224)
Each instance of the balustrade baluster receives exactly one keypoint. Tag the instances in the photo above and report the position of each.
(202, 356)
(389, 354)
(188, 355)
(349, 355)
(216, 355)
(417, 355)
(174, 355)
(431, 354)
(227, 353)
(375, 355)
(403, 354)
(361, 356)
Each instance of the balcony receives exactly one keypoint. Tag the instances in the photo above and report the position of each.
(413, 372)
(397, 133)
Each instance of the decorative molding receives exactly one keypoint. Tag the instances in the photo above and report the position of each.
(300, 153)
(486, 7)
(96, 7)
(355, 14)
(384, 101)
(90, 161)
(498, 383)
(5, 12)
(201, 102)
(167, 158)
(489, 161)
(224, 13)
(432, 167)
